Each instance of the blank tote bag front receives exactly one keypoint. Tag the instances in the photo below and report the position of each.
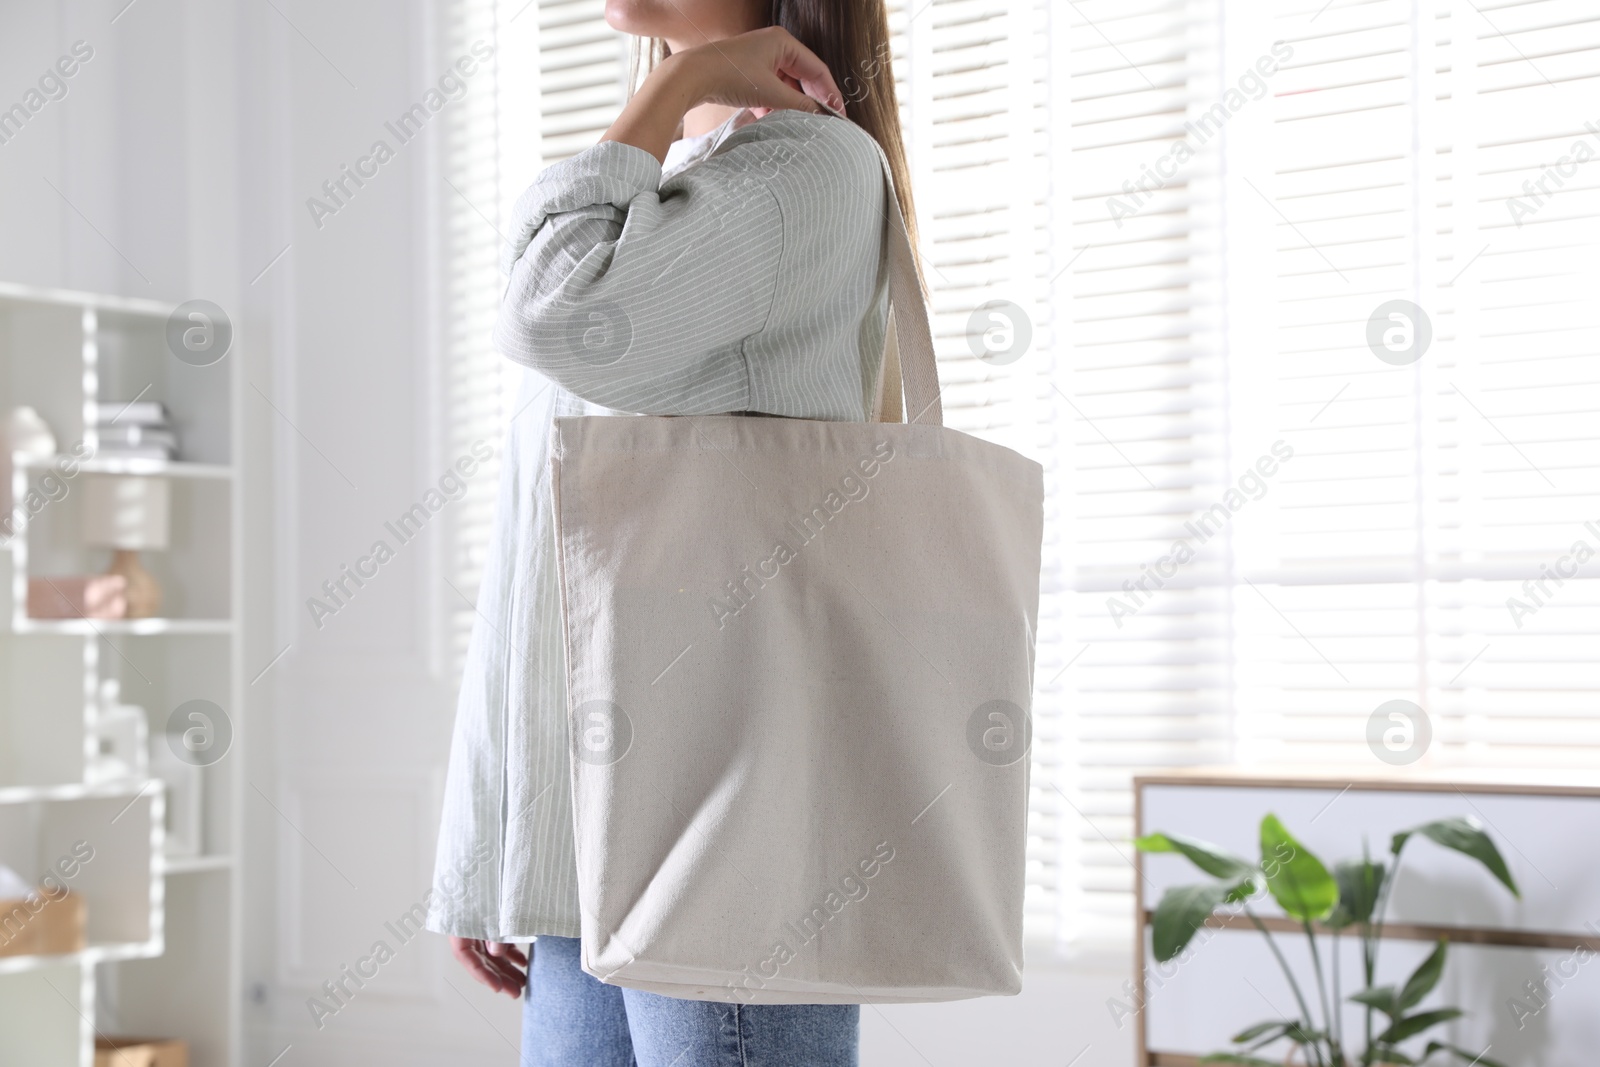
(799, 677)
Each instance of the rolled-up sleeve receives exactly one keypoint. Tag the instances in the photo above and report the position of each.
(638, 296)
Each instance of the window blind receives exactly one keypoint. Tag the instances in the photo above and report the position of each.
(1191, 308)
(1518, 387)
(1425, 492)
(1328, 616)
(472, 182)
(1141, 404)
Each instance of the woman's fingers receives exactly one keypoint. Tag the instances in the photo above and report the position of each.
(799, 65)
(466, 953)
(507, 951)
(795, 100)
(470, 955)
(494, 971)
(766, 70)
(508, 962)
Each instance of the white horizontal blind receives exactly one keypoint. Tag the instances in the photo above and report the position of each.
(1331, 624)
(583, 76)
(1519, 388)
(1426, 494)
(1144, 435)
(468, 195)
(1386, 161)
(1217, 303)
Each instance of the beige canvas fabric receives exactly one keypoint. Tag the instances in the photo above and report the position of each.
(799, 661)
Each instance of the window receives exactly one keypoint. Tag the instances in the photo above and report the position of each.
(472, 403)
(1440, 454)
(1264, 517)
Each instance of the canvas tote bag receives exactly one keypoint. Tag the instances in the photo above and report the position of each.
(799, 660)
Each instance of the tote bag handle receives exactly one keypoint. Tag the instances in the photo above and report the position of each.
(908, 362)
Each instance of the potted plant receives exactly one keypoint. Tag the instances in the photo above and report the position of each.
(1355, 895)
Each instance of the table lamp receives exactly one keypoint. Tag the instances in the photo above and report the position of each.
(128, 514)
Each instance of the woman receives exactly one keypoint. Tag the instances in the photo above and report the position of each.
(721, 249)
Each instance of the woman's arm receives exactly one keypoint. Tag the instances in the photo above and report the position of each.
(640, 302)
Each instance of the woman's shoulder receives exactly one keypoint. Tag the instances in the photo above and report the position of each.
(804, 157)
(826, 132)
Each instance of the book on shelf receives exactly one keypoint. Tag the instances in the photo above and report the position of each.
(136, 436)
(136, 429)
(129, 413)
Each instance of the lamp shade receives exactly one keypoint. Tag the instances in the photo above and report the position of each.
(125, 512)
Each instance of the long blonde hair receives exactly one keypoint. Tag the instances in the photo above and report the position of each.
(852, 38)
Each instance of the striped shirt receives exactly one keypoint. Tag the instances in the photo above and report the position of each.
(747, 274)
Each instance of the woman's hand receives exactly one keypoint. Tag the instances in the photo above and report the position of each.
(501, 967)
(763, 70)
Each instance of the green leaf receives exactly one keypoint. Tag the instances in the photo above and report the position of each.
(1412, 1025)
(1392, 1055)
(1301, 1036)
(1244, 890)
(1235, 1058)
(1381, 997)
(1478, 1059)
(1275, 1026)
(1297, 879)
(1423, 979)
(1182, 911)
(1358, 882)
(1467, 837)
(1202, 854)
(1266, 1033)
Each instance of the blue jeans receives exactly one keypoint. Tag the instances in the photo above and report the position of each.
(570, 1019)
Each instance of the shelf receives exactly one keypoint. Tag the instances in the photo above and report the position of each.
(195, 864)
(33, 294)
(167, 928)
(141, 950)
(27, 794)
(165, 468)
(136, 627)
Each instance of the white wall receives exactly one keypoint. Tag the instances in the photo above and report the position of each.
(360, 714)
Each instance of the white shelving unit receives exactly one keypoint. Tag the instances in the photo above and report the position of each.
(163, 930)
